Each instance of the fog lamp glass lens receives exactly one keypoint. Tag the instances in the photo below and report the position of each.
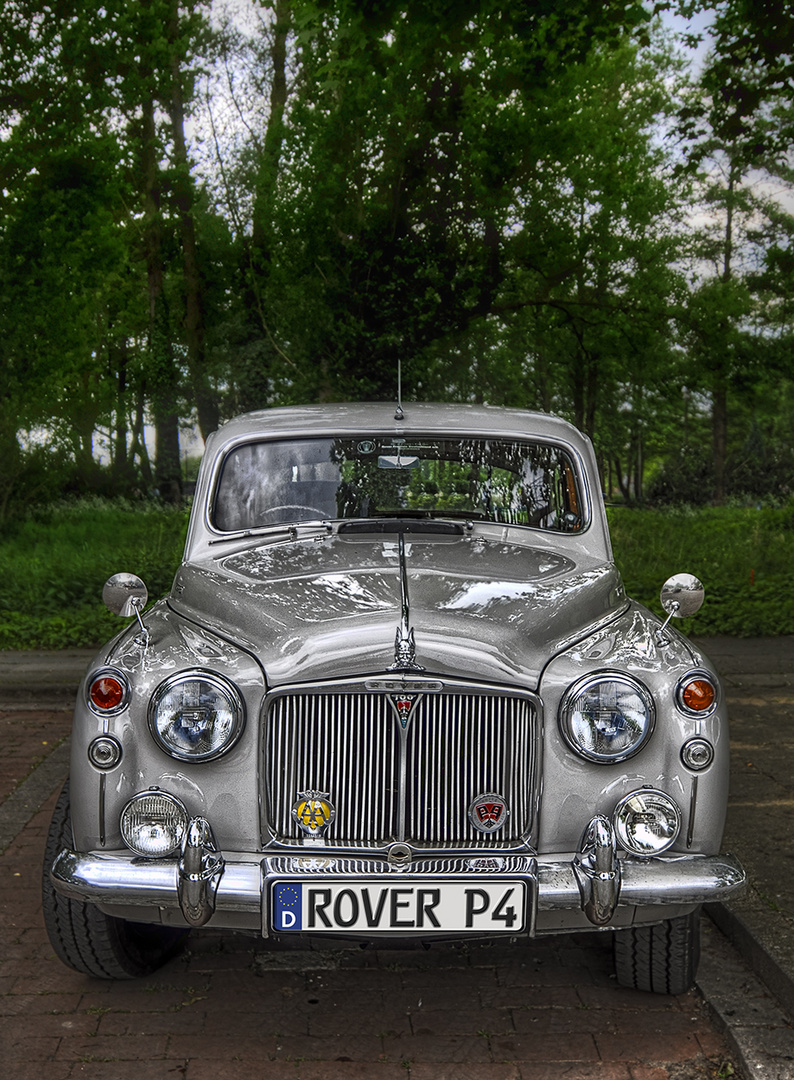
(647, 822)
(607, 718)
(196, 717)
(153, 824)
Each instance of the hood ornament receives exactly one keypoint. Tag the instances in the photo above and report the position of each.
(404, 642)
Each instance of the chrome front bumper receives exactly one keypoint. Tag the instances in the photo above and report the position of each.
(593, 881)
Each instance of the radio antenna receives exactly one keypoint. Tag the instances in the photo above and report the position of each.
(399, 414)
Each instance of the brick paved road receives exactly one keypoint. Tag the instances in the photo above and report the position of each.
(230, 1007)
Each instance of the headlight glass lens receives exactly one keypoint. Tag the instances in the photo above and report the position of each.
(196, 716)
(153, 824)
(647, 822)
(606, 718)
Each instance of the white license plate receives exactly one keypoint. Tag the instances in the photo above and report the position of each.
(418, 907)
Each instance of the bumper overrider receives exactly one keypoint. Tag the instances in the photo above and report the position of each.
(316, 892)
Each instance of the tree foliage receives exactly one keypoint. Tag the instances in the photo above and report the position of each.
(532, 205)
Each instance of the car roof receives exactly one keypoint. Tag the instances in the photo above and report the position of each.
(336, 418)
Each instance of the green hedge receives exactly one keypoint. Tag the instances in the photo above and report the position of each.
(53, 566)
(743, 556)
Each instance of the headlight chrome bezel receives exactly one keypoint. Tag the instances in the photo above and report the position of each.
(587, 684)
(222, 686)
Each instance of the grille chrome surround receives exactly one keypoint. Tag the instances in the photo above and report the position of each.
(392, 778)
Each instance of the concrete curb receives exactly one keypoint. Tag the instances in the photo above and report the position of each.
(748, 928)
(758, 1030)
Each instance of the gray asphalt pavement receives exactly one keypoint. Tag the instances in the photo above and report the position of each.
(749, 949)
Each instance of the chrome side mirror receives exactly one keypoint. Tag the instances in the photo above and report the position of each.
(681, 596)
(125, 595)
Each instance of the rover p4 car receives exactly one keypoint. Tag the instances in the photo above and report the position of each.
(397, 691)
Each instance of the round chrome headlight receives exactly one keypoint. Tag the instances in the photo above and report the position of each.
(606, 717)
(647, 822)
(196, 715)
(153, 824)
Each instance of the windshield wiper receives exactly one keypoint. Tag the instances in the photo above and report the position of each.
(291, 528)
(401, 525)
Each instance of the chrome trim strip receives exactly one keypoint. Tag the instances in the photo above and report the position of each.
(101, 808)
(693, 799)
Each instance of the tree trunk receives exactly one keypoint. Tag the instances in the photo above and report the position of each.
(162, 370)
(719, 428)
(719, 405)
(205, 396)
(122, 465)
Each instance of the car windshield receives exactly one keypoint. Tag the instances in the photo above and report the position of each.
(499, 480)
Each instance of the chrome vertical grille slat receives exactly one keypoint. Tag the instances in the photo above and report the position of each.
(455, 746)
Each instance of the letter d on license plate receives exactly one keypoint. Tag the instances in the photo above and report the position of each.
(423, 907)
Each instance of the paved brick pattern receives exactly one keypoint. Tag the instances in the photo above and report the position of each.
(27, 737)
(230, 1006)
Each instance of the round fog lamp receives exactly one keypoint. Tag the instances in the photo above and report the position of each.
(153, 824)
(647, 822)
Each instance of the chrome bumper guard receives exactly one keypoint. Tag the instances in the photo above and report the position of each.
(202, 881)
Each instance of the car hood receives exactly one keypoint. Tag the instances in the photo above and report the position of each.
(331, 608)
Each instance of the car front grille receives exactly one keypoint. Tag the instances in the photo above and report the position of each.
(393, 781)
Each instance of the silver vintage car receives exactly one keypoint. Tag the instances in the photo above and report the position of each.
(397, 691)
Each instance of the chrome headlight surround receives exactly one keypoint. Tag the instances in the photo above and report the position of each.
(607, 707)
(196, 715)
(647, 822)
(153, 824)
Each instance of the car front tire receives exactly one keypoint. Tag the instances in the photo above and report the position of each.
(86, 939)
(662, 959)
